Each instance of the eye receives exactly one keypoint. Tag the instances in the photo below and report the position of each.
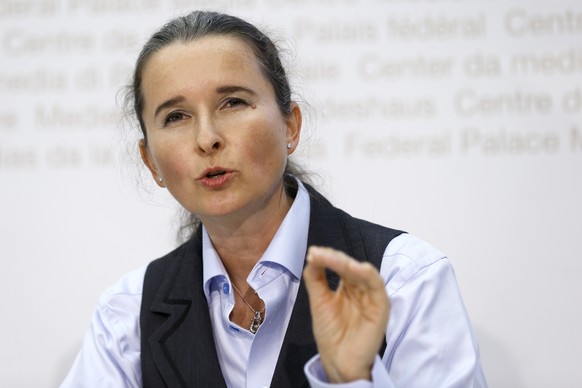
(174, 117)
(233, 102)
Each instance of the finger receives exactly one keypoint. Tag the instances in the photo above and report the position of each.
(315, 279)
(351, 271)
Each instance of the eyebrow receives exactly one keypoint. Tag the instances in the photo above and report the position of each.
(233, 89)
(168, 103)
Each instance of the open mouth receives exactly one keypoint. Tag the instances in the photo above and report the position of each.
(215, 174)
(215, 178)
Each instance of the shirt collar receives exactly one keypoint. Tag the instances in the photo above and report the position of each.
(287, 248)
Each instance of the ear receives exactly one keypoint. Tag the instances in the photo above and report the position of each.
(293, 121)
(147, 159)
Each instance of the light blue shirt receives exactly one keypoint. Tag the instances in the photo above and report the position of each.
(429, 338)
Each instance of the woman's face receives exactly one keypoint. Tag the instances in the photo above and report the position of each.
(215, 133)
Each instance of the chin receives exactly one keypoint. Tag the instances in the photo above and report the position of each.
(214, 209)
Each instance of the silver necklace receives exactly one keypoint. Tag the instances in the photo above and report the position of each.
(257, 319)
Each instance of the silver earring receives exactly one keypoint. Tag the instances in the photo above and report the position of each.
(289, 145)
(160, 179)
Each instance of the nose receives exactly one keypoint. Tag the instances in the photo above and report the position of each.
(208, 138)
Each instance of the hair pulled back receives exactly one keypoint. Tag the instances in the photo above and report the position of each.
(197, 25)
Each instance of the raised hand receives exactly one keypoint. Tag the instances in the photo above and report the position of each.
(348, 323)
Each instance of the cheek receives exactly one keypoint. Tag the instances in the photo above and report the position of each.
(264, 150)
(170, 161)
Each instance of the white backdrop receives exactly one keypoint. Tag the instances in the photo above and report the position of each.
(458, 121)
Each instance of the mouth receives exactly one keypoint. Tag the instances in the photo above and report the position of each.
(215, 178)
(214, 173)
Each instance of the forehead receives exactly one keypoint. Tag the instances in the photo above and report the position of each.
(210, 59)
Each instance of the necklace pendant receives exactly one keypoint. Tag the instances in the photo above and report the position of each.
(256, 322)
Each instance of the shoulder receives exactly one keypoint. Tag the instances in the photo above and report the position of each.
(119, 306)
(413, 250)
(121, 302)
(407, 257)
(129, 284)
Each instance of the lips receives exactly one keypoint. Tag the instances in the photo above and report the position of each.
(213, 173)
(215, 178)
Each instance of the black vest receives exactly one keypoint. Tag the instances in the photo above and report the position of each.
(177, 343)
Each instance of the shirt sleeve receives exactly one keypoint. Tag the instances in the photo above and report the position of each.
(110, 353)
(318, 379)
(430, 342)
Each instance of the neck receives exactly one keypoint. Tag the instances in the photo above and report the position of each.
(241, 241)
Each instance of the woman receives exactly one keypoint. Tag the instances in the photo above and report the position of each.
(235, 304)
